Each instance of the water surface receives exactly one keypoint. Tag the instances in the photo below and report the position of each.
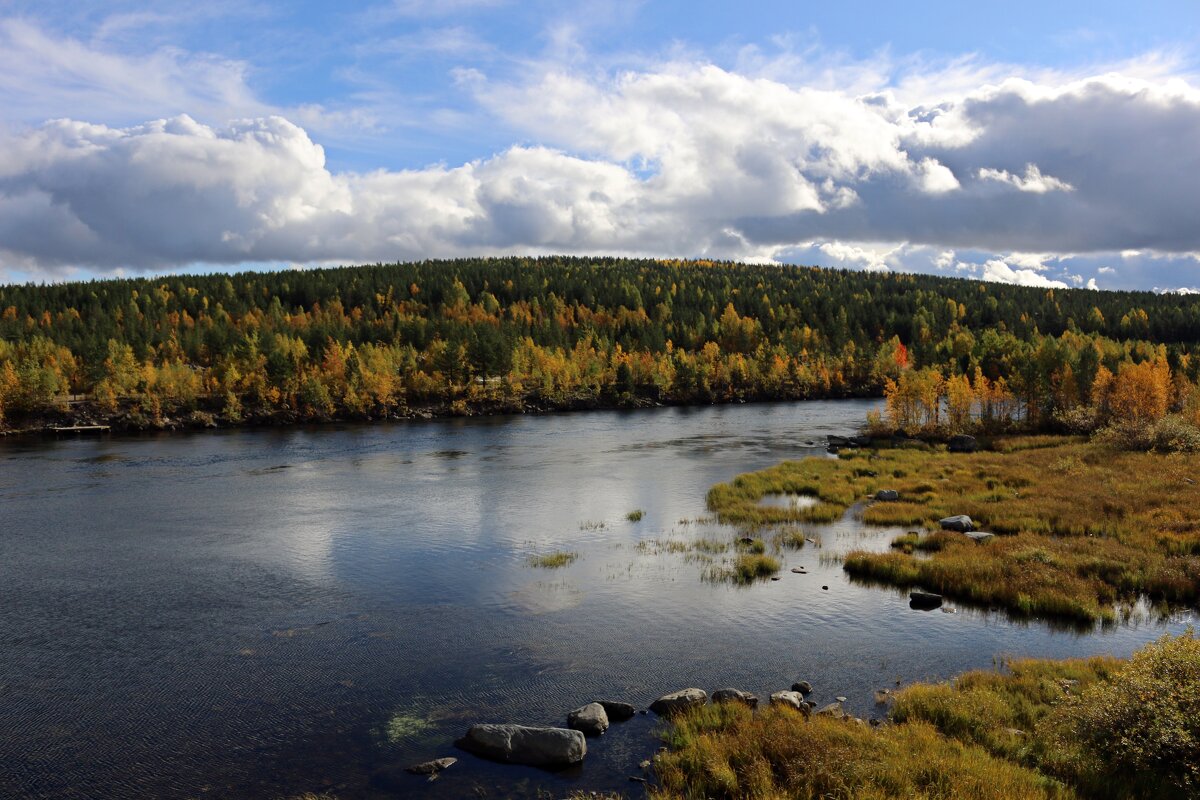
(264, 612)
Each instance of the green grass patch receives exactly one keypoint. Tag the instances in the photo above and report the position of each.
(559, 558)
(635, 515)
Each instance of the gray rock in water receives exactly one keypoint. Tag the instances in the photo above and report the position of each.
(803, 687)
(735, 696)
(887, 495)
(518, 744)
(980, 536)
(860, 440)
(837, 441)
(962, 443)
(675, 702)
(617, 712)
(790, 699)
(591, 719)
(431, 767)
(959, 522)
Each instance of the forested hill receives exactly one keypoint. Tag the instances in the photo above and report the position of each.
(552, 332)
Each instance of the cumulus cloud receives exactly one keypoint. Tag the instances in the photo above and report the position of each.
(678, 158)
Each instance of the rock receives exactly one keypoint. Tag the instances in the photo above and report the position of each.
(887, 495)
(979, 536)
(803, 687)
(840, 699)
(962, 443)
(675, 702)
(637, 779)
(591, 719)
(617, 712)
(860, 440)
(959, 522)
(735, 696)
(746, 540)
(825, 588)
(949, 610)
(919, 599)
(519, 744)
(832, 710)
(837, 441)
(798, 571)
(790, 699)
(431, 767)
(776, 578)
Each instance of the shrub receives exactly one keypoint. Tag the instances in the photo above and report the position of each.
(1138, 734)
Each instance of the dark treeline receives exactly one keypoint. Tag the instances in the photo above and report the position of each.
(551, 332)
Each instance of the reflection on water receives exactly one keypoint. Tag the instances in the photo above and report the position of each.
(260, 613)
(788, 501)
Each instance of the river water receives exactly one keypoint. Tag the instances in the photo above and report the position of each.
(259, 613)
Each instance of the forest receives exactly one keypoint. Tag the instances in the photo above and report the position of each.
(506, 334)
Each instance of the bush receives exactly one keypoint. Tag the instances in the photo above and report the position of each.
(1171, 434)
(1138, 734)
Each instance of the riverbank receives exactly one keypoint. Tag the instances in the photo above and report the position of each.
(1094, 728)
(130, 417)
(1055, 527)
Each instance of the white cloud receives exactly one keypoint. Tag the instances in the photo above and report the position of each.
(1106, 271)
(999, 272)
(1032, 181)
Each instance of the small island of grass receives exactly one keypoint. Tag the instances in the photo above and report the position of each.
(559, 558)
(1082, 527)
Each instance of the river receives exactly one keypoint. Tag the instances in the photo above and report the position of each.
(258, 613)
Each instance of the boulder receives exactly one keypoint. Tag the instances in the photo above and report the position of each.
(979, 536)
(803, 687)
(431, 767)
(735, 696)
(832, 710)
(860, 440)
(591, 720)
(962, 443)
(837, 441)
(919, 599)
(790, 699)
(675, 702)
(518, 744)
(959, 522)
(617, 712)
(887, 495)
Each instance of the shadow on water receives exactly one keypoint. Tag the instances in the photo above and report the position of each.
(184, 616)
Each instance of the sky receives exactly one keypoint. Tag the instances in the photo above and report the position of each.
(1048, 144)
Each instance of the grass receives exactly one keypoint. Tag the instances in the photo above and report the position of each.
(635, 515)
(728, 751)
(1096, 728)
(559, 558)
(1085, 528)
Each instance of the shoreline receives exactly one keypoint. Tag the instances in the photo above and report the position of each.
(131, 421)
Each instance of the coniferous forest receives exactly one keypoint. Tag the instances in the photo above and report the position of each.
(508, 334)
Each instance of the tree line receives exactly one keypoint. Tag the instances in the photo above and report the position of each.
(561, 332)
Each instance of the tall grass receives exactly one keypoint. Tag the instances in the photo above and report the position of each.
(559, 558)
(1089, 527)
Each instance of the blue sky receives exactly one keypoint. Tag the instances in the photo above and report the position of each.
(1042, 143)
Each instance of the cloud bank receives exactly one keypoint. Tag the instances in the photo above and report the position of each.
(677, 158)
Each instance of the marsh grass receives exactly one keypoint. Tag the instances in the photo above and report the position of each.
(728, 751)
(635, 515)
(559, 558)
(1097, 728)
(1086, 527)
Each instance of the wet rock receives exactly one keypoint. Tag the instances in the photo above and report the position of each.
(776, 578)
(979, 536)
(790, 699)
(803, 687)
(860, 440)
(825, 588)
(431, 767)
(591, 720)
(835, 442)
(887, 495)
(617, 712)
(840, 699)
(959, 522)
(518, 744)
(962, 443)
(675, 702)
(637, 779)
(799, 571)
(735, 696)
(925, 600)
